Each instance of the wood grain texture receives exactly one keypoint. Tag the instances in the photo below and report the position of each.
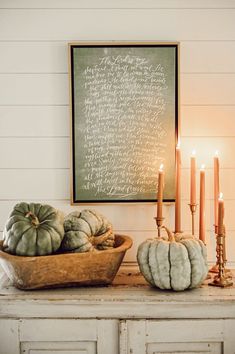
(65, 269)
(119, 301)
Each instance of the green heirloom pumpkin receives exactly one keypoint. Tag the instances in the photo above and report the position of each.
(87, 230)
(177, 263)
(33, 230)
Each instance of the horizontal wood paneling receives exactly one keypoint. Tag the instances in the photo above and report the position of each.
(52, 57)
(35, 153)
(129, 217)
(196, 121)
(207, 57)
(16, 175)
(208, 121)
(207, 89)
(34, 89)
(36, 121)
(34, 184)
(52, 89)
(162, 24)
(205, 150)
(34, 57)
(116, 4)
(49, 152)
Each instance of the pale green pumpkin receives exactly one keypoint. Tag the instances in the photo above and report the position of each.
(33, 230)
(87, 230)
(178, 263)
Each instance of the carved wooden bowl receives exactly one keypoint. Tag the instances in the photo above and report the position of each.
(66, 269)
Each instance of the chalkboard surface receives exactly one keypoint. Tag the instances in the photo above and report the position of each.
(124, 121)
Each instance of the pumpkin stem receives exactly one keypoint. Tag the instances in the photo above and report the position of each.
(97, 240)
(170, 235)
(34, 220)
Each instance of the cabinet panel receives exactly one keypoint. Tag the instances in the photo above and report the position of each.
(53, 330)
(68, 336)
(189, 348)
(58, 348)
(180, 336)
(9, 339)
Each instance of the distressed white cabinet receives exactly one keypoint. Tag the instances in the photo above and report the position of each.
(184, 336)
(62, 336)
(119, 319)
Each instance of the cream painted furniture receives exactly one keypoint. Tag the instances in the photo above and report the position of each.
(125, 319)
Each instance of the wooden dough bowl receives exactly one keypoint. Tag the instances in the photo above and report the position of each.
(65, 269)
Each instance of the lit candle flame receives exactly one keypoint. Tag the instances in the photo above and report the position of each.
(203, 167)
(193, 152)
(161, 167)
(216, 153)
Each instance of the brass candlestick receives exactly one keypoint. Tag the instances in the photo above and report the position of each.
(159, 222)
(193, 208)
(215, 268)
(221, 279)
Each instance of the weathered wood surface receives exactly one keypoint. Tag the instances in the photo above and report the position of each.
(128, 297)
(65, 269)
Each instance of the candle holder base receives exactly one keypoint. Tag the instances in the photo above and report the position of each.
(159, 222)
(193, 208)
(215, 270)
(221, 281)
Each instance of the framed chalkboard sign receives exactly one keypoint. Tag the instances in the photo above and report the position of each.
(124, 108)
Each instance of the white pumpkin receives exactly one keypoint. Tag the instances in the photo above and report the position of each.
(178, 262)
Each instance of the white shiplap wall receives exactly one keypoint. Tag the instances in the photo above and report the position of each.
(34, 112)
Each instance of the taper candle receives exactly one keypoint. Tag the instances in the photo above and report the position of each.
(202, 205)
(220, 214)
(193, 179)
(216, 187)
(160, 191)
(178, 190)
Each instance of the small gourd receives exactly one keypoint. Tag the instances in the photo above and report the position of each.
(177, 263)
(33, 230)
(85, 231)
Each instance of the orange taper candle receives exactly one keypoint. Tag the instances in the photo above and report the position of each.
(202, 229)
(193, 179)
(220, 215)
(178, 190)
(160, 191)
(216, 187)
